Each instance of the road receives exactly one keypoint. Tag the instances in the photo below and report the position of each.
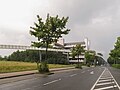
(84, 79)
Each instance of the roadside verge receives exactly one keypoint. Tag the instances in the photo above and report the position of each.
(16, 74)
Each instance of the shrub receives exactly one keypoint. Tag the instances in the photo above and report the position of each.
(116, 66)
(43, 67)
(78, 66)
(88, 64)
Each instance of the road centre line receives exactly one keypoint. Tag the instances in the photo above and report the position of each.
(73, 75)
(52, 82)
(97, 80)
(83, 72)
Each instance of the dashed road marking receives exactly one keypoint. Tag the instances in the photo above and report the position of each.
(83, 72)
(73, 75)
(92, 72)
(52, 82)
(105, 82)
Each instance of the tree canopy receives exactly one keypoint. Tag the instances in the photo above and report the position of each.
(114, 55)
(49, 31)
(77, 51)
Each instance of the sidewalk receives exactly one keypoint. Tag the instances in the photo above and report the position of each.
(16, 74)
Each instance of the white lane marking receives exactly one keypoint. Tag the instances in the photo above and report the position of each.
(106, 87)
(73, 75)
(105, 80)
(97, 80)
(83, 72)
(26, 89)
(105, 83)
(114, 80)
(92, 72)
(52, 82)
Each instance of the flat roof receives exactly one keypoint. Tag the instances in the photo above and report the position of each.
(74, 43)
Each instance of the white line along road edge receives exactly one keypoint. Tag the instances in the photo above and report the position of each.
(114, 80)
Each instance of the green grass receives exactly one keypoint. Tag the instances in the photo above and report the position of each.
(12, 66)
(116, 66)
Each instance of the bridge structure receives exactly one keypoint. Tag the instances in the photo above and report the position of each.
(21, 47)
(31, 48)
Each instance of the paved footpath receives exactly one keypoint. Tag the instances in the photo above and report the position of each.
(106, 82)
(16, 74)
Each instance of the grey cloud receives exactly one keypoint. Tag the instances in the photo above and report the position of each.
(81, 11)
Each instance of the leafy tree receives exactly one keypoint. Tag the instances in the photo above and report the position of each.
(77, 51)
(115, 53)
(93, 57)
(89, 58)
(48, 32)
(100, 54)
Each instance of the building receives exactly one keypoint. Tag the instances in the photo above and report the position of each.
(62, 44)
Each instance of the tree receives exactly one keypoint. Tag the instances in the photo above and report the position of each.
(77, 51)
(93, 57)
(48, 32)
(115, 53)
(100, 54)
(89, 58)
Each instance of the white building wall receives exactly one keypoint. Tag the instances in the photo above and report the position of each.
(87, 44)
(61, 41)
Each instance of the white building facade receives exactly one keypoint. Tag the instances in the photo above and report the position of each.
(86, 44)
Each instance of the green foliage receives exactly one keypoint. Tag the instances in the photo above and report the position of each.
(93, 58)
(15, 66)
(89, 57)
(115, 53)
(43, 67)
(88, 64)
(100, 54)
(116, 66)
(77, 50)
(57, 58)
(49, 31)
(26, 56)
(78, 66)
(33, 56)
(12, 66)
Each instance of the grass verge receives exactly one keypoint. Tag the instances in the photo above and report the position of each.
(12, 66)
(116, 66)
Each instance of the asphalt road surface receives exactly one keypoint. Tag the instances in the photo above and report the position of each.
(84, 79)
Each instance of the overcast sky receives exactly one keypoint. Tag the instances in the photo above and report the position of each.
(99, 20)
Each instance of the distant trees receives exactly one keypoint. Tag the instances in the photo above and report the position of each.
(114, 55)
(93, 58)
(33, 56)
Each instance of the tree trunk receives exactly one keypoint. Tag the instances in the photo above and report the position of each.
(46, 52)
(78, 59)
